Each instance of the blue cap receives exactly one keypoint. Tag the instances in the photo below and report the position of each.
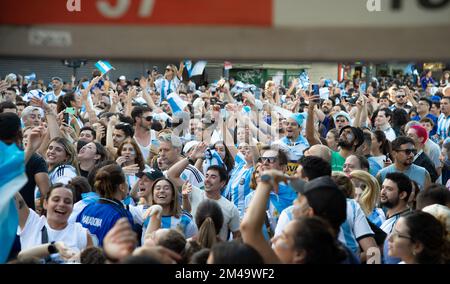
(298, 117)
(435, 99)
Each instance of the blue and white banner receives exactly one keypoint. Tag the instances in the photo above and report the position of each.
(176, 103)
(12, 179)
(304, 81)
(103, 66)
(196, 69)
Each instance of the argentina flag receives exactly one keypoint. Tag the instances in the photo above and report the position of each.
(176, 103)
(196, 69)
(103, 66)
(12, 179)
(212, 158)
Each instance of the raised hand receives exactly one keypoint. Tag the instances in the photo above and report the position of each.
(120, 241)
(131, 170)
(199, 151)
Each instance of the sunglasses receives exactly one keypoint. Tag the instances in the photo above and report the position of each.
(269, 159)
(400, 97)
(148, 118)
(408, 151)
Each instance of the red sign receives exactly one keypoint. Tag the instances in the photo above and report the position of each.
(139, 12)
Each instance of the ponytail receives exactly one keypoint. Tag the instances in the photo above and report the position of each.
(108, 179)
(207, 235)
(209, 219)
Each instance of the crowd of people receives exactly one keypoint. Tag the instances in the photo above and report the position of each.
(159, 170)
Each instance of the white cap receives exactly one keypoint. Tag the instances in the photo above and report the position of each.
(122, 78)
(189, 145)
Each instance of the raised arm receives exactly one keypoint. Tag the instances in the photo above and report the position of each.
(310, 129)
(145, 95)
(22, 209)
(254, 218)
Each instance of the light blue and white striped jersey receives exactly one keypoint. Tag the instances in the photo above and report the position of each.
(443, 126)
(238, 186)
(355, 226)
(184, 224)
(165, 87)
(377, 217)
(285, 217)
(277, 203)
(212, 158)
(295, 149)
(51, 97)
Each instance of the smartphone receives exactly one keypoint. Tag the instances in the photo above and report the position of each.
(315, 89)
(66, 117)
(70, 110)
(155, 68)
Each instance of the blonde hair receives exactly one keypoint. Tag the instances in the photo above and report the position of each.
(371, 194)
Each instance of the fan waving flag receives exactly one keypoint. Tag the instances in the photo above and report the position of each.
(303, 81)
(12, 179)
(103, 66)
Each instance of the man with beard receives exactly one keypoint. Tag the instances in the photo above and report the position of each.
(57, 85)
(400, 101)
(143, 118)
(327, 123)
(395, 192)
(403, 151)
(294, 142)
(350, 138)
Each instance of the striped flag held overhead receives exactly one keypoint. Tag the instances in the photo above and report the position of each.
(103, 66)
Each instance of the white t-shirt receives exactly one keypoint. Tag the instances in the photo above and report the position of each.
(229, 210)
(145, 150)
(74, 235)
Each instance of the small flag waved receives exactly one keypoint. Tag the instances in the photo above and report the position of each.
(195, 70)
(103, 66)
(303, 81)
(176, 103)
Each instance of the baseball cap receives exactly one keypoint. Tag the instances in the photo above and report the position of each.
(189, 145)
(122, 78)
(342, 113)
(324, 197)
(57, 78)
(150, 173)
(298, 117)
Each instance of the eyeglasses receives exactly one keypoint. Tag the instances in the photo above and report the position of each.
(396, 234)
(148, 118)
(408, 151)
(269, 159)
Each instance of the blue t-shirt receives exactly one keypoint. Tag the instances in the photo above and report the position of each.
(433, 118)
(100, 217)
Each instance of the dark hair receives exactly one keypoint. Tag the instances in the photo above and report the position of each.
(427, 100)
(10, 126)
(138, 111)
(235, 252)
(314, 167)
(92, 255)
(223, 175)
(229, 160)
(191, 248)
(64, 101)
(363, 162)
(175, 207)
(108, 179)
(399, 141)
(94, 133)
(200, 257)
(173, 240)
(385, 146)
(79, 185)
(315, 236)
(209, 220)
(437, 104)
(387, 113)
(427, 120)
(434, 194)
(399, 119)
(403, 183)
(55, 186)
(141, 259)
(7, 104)
(126, 128)
(140, 159)
(426, 229)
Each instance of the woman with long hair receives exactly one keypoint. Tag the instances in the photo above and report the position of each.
(419, 238)
(90, 155)
(61, 160)
(209, 220)
(367, 194)
(129, 157)
(100, 216)
(71, 100)
(164, 194)
(380, 148)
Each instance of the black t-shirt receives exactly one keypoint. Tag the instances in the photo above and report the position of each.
(84, 173)
(35, 165)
